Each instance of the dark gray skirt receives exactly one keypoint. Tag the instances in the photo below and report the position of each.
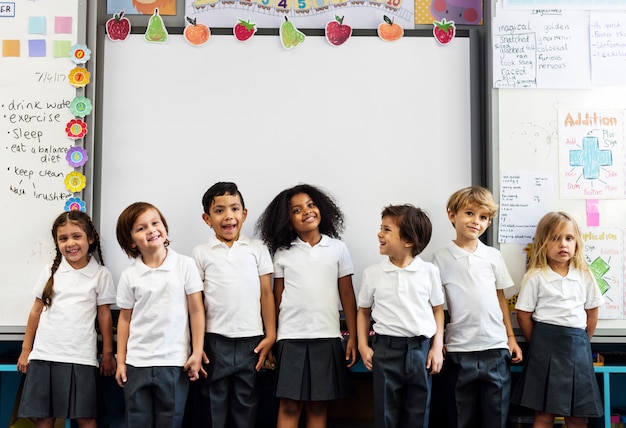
(558, 374)
(59, 390)
(312, 370)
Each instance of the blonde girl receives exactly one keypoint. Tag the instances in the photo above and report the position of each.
(557, 310)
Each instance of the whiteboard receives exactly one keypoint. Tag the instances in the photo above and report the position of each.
(35, 95)
(528, 141)
(374, 123)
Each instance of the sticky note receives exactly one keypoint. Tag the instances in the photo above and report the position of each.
(63, 24)
(36, 25)
(10, 48)
(61, 48)
(593, 214)
(36, 48)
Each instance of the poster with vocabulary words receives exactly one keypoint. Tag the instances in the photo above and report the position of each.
(591, 154)
(604, 253)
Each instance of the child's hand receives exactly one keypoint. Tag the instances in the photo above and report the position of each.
(205, 361)
(264, 349)
(516, 351)
(367, 354)
(120, 374)
(351, 351)
(22, 362)
(193, 367)
(434, 362)
(108, 364)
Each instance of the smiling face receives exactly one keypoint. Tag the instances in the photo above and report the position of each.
(149, 234)
(470, 222)
(304, 215)
(561, 247)
(390, 242)
(226, 216)
(73, 244)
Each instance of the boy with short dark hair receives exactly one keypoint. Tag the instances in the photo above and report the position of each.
(240, 313)
(479, 338)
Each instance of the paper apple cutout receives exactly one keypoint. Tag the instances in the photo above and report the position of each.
(118, 27)
(337, 32)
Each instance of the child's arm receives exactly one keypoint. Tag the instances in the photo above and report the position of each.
(123, 331)
(348, 302)
(434, 363)
(193, 366)
(592, 321)
(363, 330)
(105, 322)
(525, 321)
(268, 313)
(514, 348)
(29, 335)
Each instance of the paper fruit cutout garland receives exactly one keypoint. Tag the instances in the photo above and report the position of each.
(156, 31)
(244, 30)
(118, 27)
(337, 32)
(389, 31)
(444, 31)
(290, 36)
(196, 34)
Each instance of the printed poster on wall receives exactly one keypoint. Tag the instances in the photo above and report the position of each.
(362, 14)
(604, 252)
(591, 154)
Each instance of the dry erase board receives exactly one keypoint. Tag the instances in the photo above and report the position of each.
(528, 141)
(374, 123)
(35, 95)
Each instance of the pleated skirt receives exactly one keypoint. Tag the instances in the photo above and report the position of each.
(59, 390)
(312, 370)
(558, 374)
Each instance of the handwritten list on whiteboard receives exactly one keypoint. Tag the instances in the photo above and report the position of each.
(525, 196)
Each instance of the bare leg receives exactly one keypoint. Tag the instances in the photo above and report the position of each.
(289, 413)
(316, 414)
(543, 420)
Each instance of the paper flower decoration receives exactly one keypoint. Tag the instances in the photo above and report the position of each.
(81, 106)
(75, 204)
(79, 77)
(80, 54)
(75, 181)
(76, 129)
(76, 157)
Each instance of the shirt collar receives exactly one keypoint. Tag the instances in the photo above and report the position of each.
(89, 271)
(415, 265)
(243, 240)
(168, 264)
(458, 252)
(572, 275)
(324, 242)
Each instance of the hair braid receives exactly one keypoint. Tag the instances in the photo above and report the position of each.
(48, 291)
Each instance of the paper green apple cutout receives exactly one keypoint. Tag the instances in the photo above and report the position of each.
(290, 36)
(156, 31)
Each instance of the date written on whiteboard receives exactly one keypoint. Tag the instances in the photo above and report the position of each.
(47, 77)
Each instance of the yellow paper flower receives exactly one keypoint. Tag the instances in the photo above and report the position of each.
(75, 181)
(79, 77)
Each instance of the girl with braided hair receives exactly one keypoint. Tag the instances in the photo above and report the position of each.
(59, 352)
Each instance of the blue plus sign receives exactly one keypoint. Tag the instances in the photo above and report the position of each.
(591, 158)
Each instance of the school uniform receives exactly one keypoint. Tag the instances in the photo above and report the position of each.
(311, 358)
(476, 372)
(159, 339)
(401, 300)
(234, 327)
(61, 381)
(558, 374)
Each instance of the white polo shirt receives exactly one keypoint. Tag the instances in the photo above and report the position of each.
(558, 300)
(309, 308)
(470, 281)
(232, 289)
(402, 299)
(70, 320)
(159, 327)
